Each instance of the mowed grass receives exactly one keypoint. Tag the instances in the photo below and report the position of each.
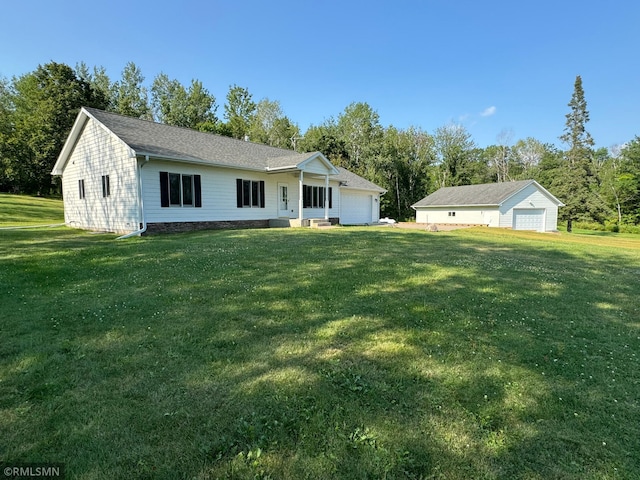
(340, 354)
(21, 210)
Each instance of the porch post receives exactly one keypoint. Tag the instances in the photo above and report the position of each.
(300, 197)
(326, 197)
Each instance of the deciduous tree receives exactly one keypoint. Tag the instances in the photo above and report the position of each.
(360, 131)
(453, 147)
(175, 105)
(43, 107)
(271, 126)
(131, 97)
(239, 111)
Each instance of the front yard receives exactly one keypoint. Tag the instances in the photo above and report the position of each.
(345, 353)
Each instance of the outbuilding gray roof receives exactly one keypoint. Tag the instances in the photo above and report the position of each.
(178, 143)
(474, 195)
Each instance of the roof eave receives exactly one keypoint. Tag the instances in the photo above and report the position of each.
(381, 191)
(415, 205)
(285, 169)
(70, 142)
(194, 161)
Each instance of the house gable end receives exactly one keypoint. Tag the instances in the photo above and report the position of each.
(76, 133)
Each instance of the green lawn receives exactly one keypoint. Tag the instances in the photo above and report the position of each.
(344, 353)
(20, 210)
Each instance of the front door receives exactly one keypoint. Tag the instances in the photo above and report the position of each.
(283, 200)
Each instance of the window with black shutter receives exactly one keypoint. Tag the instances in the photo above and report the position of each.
(250, 193)
(180, 190)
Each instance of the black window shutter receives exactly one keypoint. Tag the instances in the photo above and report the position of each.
(164, 189)
(261, 193)
(239, 192)
(330, 197)
(197, 186)
(306, 201)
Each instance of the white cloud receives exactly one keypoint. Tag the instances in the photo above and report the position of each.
(488, 112)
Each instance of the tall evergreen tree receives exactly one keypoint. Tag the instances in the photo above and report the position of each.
(575, 133)
(575, 183)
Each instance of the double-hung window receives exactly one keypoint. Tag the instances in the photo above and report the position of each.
(180, 190)
(250, 193)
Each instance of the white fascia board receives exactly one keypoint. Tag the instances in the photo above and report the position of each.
(455, 206)
(362, 189)
(289, 168)
(193, 161)
(70, 142)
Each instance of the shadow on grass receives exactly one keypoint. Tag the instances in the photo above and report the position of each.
(350, 353)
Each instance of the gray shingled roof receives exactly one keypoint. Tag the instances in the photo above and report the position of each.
(166, 141)
(484, 194)
(351, 180)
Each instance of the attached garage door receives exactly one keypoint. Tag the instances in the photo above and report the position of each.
(529, 219)
(356, 209)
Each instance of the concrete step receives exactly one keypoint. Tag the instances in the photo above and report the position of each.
(319, 222)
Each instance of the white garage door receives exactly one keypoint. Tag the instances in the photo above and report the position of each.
(529, 219)
(356, 209)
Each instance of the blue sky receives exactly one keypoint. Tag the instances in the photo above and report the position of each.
(489, 65)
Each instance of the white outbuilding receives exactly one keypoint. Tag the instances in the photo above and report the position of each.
(521, 205)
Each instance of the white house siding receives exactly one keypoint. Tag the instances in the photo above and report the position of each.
(463, 215)
(99, 153)
(359, 207)
(533, 199)
(315, 166)
(334, 211)
(219, 194)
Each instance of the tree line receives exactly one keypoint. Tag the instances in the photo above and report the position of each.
(37, 111)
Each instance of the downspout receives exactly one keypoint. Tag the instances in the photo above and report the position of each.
(141, 201)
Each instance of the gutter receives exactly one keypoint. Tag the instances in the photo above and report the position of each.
(144, 221)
